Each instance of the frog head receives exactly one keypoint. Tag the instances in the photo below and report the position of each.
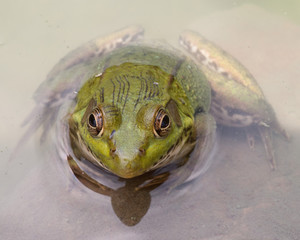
(130, 119)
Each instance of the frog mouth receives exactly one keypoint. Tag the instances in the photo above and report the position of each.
(128, 168)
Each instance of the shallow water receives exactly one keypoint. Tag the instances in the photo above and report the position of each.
(239, 197)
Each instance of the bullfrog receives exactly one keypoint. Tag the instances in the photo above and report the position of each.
(130, 107)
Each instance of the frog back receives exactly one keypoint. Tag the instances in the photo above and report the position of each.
(181, 69)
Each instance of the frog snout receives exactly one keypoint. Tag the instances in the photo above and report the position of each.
(128, 155)
(129, 162)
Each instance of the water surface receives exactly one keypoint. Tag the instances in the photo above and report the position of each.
(239, 197)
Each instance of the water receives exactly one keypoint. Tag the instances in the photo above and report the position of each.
(238, 198)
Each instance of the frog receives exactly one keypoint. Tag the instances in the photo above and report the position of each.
(130, 107)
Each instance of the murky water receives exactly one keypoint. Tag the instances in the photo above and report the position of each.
(239, 197)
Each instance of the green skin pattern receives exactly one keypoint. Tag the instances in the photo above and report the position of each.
(136, 81)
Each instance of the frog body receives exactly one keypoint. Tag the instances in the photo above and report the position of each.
(134, 107)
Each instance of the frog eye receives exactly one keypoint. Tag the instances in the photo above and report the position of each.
(95, 123)
(162, 123)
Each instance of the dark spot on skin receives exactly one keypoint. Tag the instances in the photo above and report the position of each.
(225, 74)
(213, 65)
(102, 95)
(174, 71)
(125, 37)
(200, 56)
(198, 110)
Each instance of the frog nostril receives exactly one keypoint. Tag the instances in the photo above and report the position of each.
(142, 151)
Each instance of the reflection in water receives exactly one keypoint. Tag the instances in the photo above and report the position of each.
(130, 202)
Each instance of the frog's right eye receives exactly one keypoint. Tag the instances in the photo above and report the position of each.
(95, 123)
(162, 123)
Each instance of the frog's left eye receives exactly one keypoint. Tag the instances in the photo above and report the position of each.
(95, 123)
(162, 123)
